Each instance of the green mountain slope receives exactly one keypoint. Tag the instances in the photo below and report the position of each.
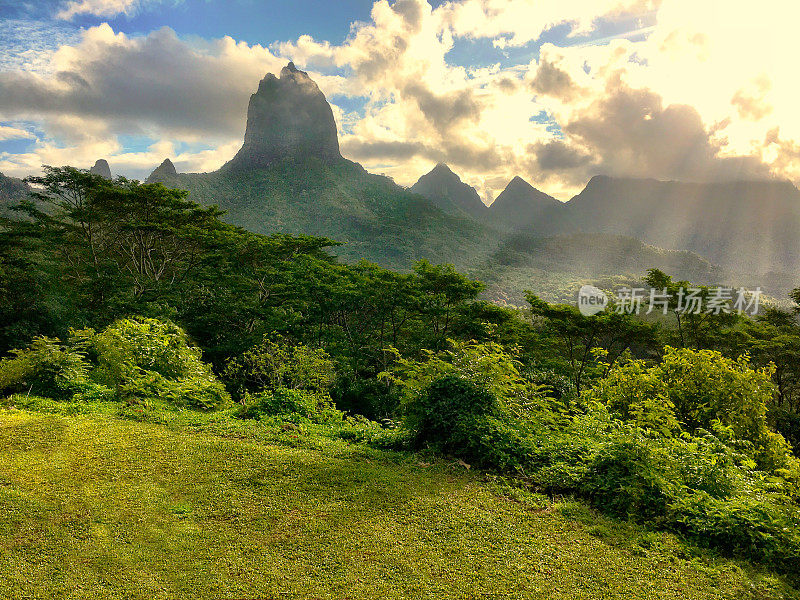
(12, 190)
(557, 266)
(371, 216)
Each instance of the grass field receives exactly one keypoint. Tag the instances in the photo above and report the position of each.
(94, 506)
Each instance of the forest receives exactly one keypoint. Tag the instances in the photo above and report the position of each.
(133, 299)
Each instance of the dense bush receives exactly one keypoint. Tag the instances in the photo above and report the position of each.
(698, 486)
(276, 363)
(440, 408)
(289, 405)
(631, 478)
(135, 360)
(147, 360)
(472, 402)
(459, 418)
(487, 365)
(697, 390)
(50, 369)
(763, 528)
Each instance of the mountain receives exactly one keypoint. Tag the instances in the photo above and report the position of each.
(446, 190)
(746, 226)
(520, 207)
(101, 168)
(163, 173)
(287, 118)
(290, 177)
(555, 267)
(12, 190)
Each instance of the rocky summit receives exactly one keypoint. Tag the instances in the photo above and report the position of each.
(446, 190)
(163, 172)
(101, 168)
(288, 117)
(521, 207)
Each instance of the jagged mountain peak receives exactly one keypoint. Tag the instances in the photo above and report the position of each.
(521, 207)
(520, 192)
(101, 168)
(444, 188)
(288, 117)
(163, 172)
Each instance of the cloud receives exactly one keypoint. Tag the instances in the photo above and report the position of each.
(750, 101)
(519, 22)
(550, 80)
(14, 133)
(691, 101)
(102, 8)
(156, 85)
(558, 156)
(29, 45)
(634, 135)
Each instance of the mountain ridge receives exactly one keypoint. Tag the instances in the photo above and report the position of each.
(742, 225)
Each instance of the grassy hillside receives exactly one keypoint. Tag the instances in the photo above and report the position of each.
(93, 506)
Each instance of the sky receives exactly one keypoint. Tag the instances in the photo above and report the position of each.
(554, 91)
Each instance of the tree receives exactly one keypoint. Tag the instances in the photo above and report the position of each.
(439, 291)
(694, 329)
(590, 344)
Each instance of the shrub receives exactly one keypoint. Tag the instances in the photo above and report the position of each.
(147, 360)
(633, 393)
(435, 415)
(707, 388)
(631, 478)
(290, 405)
(51, 369)
(202, 391)
(277, 364)
(490, 442)
(487, 365)
(698, 390)
(462, 419)
(763, 528)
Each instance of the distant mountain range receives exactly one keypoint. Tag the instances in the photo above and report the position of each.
(289, 176)
(749, 226)
(12, 190)
(743, 226)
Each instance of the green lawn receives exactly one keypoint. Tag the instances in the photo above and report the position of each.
(98, 507)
